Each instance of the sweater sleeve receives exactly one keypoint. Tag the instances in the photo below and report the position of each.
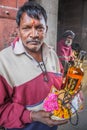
(12, 115)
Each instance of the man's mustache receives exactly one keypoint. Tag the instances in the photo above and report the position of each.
(31, 41)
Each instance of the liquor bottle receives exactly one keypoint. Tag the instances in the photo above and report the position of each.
(74, 75)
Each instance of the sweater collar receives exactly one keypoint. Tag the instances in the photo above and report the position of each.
(18, 47)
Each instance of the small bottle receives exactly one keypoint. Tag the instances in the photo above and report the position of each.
(74, 75)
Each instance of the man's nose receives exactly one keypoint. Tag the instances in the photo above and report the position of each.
(34, 33)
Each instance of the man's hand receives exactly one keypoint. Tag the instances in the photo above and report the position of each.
(44, 117)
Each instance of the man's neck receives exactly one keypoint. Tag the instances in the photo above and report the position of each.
(36, 55)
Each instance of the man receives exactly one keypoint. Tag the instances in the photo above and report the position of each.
(64, 48)
(28, 69)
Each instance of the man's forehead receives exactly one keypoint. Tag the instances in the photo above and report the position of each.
(32, 19)
(69, 36)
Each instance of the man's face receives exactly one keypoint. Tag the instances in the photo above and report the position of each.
(32, 32)
(68, 41)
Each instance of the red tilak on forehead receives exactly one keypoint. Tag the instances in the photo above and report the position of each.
(33, 21)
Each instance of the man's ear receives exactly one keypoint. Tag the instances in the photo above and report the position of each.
(46, 28)
(18, 31)
(46, 31)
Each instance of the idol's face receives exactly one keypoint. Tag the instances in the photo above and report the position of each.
(32, 32)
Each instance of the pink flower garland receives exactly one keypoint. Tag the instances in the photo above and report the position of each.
(51, 102)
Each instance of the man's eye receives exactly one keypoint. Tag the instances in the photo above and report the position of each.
(40, 28)
(26, 28)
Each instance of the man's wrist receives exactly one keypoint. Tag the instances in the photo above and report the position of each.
(31, 116)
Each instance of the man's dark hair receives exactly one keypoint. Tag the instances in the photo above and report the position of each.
(33, 10)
